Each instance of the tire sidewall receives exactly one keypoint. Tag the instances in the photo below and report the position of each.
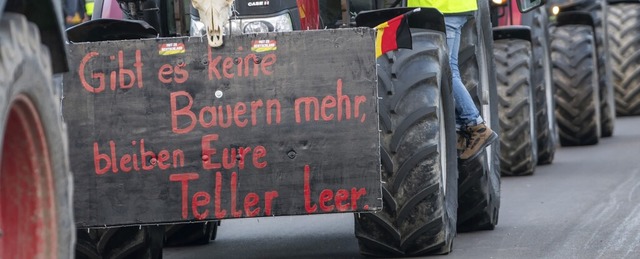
(585, 139)
(538, 20)
(517, 50)
(29, 73)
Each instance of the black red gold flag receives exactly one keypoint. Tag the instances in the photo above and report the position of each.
(393, 34)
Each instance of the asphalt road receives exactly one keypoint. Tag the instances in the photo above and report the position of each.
(584, 205)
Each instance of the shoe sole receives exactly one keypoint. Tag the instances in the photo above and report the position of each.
(490, 140)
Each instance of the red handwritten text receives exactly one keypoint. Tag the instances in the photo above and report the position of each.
(229, 67)
(324, 110)
(123, 78)
(168, 74)
(146, 160)
(231, 155)
(201, 199)
(327, 200)
(223, 116)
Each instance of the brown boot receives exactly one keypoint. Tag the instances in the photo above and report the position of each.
(461, 144)
(480, 136)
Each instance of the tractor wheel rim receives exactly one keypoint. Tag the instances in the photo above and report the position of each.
(28, 226)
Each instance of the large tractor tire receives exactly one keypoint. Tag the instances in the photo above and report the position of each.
(120, 243)
(545, 121)
(624, 36)
(605, 81)
(575, 80)
(479, 179)
(36, 214)
(418, 154)
(190, 233)
(518, 140)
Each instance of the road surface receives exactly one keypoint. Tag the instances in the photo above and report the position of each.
(584, 205)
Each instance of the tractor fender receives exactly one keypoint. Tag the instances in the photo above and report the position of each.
(574, 17)
(426, 18)
(111, 29)
(47, 15)
(512, 32)
(612, 2)
(578, 5)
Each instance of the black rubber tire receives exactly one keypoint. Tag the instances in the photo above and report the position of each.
(575, 81)
(25, 69)
(518, 141)
(190, 233)
(417, 151)
(545, 121)
(605, 81)
(479, 179)
(624, 36)
(120, 243)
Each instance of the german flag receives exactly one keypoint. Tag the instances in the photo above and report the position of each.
(393, 34)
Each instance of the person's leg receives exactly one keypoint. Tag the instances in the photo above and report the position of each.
(466, 112)
(473, 135)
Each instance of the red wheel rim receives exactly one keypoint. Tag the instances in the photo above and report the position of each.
(27, 212)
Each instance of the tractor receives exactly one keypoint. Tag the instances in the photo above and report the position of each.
(585, 109)
(521, 47)
(623, 24)
(417, 195)
(36, 184)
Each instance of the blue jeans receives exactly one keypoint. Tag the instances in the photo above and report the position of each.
(466, 112)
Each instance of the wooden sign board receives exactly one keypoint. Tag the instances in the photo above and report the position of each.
(170, 130)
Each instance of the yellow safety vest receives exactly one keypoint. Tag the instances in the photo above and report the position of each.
(89, 7)
(446, 6)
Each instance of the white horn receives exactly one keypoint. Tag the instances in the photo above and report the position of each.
(214, 14)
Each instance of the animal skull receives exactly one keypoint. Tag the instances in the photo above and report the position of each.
(213, 13)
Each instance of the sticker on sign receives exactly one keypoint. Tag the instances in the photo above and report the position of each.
(171, 49)
(263, 45)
